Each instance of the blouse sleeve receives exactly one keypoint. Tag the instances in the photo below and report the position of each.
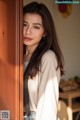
(48, 93)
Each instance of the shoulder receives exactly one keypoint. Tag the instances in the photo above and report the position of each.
(49, 53)
(49, 57)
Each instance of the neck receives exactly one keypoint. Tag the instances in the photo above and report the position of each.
(30, 49)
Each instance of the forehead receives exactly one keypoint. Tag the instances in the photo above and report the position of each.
(33, 17)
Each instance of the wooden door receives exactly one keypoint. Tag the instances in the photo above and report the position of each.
(11, 58)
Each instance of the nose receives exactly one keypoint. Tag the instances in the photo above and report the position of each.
(28, 30)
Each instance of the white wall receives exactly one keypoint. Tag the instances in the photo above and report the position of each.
(68, 33)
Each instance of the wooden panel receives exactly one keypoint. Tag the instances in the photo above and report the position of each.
(11, 66)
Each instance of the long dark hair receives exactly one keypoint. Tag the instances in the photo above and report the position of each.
(50, 41)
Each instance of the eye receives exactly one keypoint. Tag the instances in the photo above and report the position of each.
(36, 27)
(24, 24)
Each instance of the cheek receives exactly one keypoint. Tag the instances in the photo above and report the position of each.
(23, 31)
(39, 34)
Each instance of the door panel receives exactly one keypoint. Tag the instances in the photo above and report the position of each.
(11, 58)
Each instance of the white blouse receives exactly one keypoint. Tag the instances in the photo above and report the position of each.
(44, 89)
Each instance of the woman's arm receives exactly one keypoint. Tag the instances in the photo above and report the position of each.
(48, 93)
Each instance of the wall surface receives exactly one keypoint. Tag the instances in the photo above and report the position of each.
(68, 36)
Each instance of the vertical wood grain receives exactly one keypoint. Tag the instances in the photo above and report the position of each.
(11, 58)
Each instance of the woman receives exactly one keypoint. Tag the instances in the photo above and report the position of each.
(43, 64)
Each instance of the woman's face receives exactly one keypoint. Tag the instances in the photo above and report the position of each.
(33, 29)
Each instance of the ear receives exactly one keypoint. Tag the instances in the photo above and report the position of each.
(44, 35)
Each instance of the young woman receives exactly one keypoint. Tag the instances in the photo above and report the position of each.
(43, 64)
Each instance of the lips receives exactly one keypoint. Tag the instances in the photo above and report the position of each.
(27, 39)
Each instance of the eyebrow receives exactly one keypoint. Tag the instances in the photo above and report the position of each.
(34, 23)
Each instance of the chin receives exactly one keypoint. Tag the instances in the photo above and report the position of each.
(27, 44)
